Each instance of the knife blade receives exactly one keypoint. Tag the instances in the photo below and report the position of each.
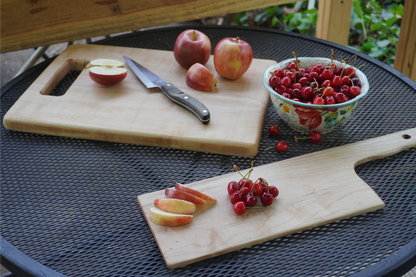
(151, 80)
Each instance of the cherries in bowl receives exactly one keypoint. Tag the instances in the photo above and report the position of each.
(313, 93)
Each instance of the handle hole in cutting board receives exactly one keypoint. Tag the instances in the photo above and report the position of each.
(407, 136)
(64, 77)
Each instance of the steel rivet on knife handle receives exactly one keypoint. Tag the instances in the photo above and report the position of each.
(186, 101)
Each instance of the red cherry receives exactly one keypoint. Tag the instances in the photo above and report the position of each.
(313, 76)
(326, 83)
(244, 183)
(257, 189)
(307, 93)
(304, 82)
(292, 65)
(350, 72)
(330, 100)
(329, 91)
(315, 137)
(274, 191)
(336, 81)
(290, 75)
(266, 199)
(327, 74)
(274, 81)
(280, 89)
(286, 82)
(240, 207)
(297, 86)
(340, 97)
(279, 73)
(274, 130)
(232, 187)
(296, 93)
(250, 200)
(245, 191)
(318, 101)
(355, 91)
(287, 95)
(235, 197)
(281, 146)
(346, 80)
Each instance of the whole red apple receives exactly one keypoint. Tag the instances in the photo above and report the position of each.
(192, 46)
(232, 57)
(200, 78)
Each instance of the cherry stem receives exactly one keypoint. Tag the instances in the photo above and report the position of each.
(296, 138)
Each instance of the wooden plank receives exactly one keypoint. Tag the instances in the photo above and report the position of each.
(405, 60)
(27, 24)
(334, 20)
(309, 197)
(131, 113)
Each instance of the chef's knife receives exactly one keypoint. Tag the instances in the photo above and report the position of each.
(150, 80)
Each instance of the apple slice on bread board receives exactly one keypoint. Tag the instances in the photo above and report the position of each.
(315, 189)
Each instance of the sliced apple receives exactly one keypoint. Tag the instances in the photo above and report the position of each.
(177, 194)
(107, 72)
(201, 195)
(176, 206)
(169, 219)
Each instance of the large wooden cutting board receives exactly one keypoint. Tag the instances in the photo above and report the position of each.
(131, 113)
(315, 189)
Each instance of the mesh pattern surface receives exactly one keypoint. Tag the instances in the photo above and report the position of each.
(71, 205)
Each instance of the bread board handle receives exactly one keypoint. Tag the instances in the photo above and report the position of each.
(68, 66)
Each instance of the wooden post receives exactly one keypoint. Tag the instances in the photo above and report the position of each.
(405, 61)
(334, 18)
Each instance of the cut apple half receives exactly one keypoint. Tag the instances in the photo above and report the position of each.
(199, 194)
(176, 206)
(107, 72)
(177, 194)
(166, 219)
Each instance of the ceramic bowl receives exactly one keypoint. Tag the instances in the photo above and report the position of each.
(306, 118)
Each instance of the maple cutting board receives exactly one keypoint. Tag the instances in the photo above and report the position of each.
(131, 113)
(315, 189)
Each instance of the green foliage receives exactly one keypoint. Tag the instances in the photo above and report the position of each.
(375, 25)
(281, 18)
(375, 28)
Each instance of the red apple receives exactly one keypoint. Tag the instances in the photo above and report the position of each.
(232, 57)
(195, 192)
(200, 78)
(169, 219)
(107, 72)
(177, 194)
(176, 206)
(192, 46)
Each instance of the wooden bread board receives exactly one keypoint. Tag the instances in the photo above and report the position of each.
(131, 113)
(315, 189)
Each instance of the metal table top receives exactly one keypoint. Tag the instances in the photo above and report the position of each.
(68, 206)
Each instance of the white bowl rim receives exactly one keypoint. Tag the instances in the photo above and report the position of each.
(363, 79)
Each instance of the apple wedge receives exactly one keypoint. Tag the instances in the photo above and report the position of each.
(177, 194)
(166, 219)
(176, 206)
(201, 195)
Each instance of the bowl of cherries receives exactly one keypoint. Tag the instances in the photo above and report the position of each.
(315, 94)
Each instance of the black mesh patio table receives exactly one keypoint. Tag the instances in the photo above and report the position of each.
(68, 206)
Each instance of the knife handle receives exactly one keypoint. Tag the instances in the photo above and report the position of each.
(186, 101)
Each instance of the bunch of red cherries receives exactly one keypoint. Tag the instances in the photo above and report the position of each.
(244, 193)
(319, 84)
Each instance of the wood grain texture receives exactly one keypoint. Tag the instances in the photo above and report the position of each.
(26, 24)
(309, 197)
(130, 113)
(333, 22)
(405, 60)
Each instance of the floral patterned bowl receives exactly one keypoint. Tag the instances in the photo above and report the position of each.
(306, 118)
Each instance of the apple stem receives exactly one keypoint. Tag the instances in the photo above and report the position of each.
(194, 37)
(236, 39)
